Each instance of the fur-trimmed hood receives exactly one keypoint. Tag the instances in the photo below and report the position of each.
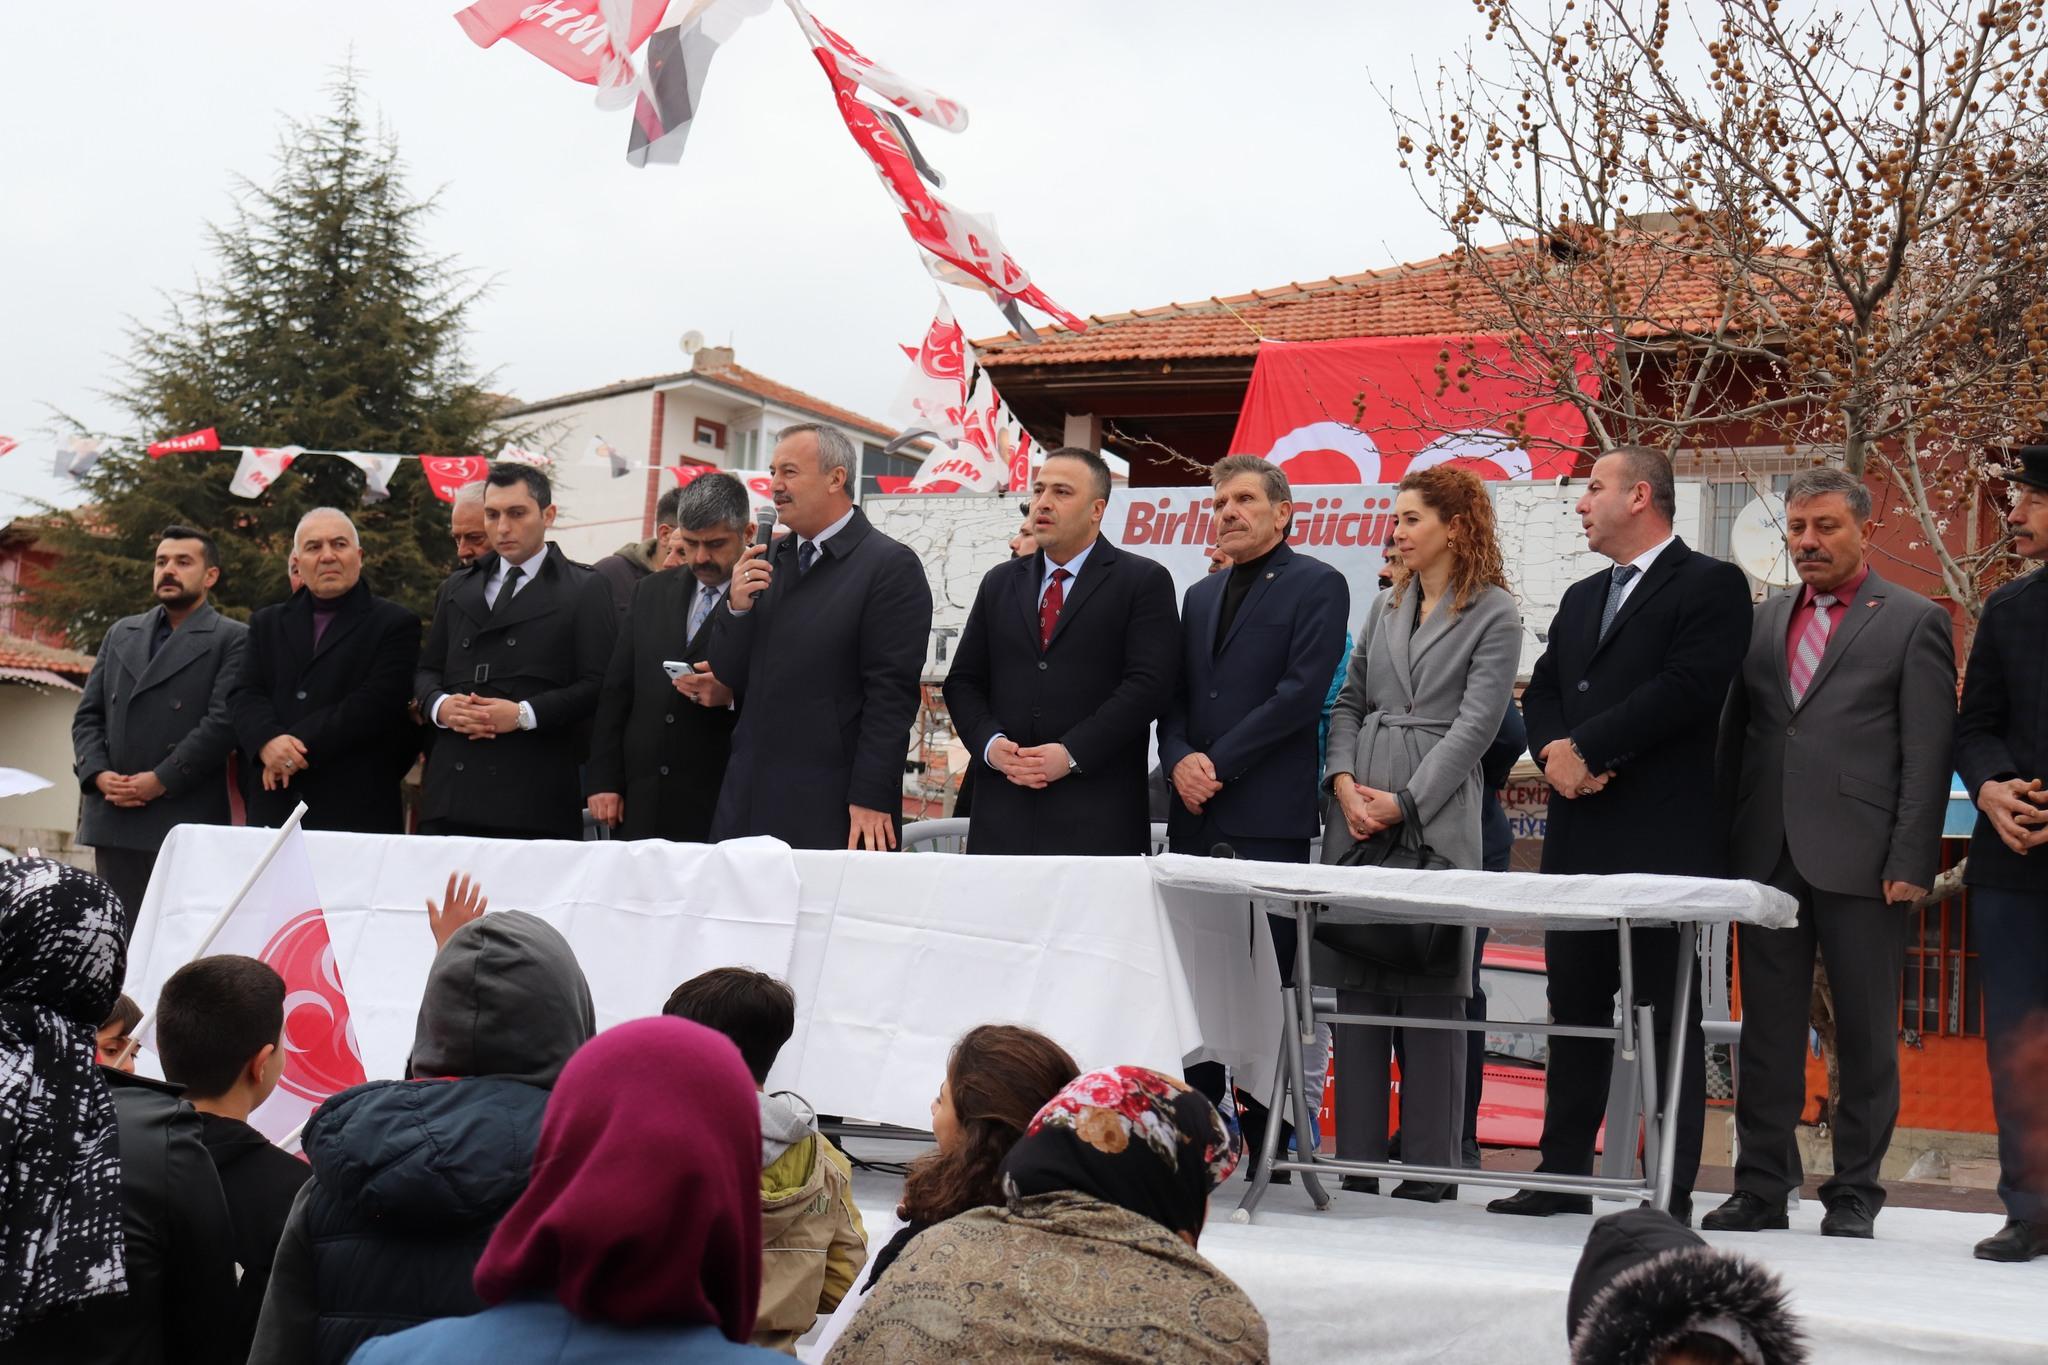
(1645, 1281)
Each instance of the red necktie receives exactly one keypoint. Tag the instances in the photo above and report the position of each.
(1049, 606)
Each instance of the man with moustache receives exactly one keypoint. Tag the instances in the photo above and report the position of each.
(1623, 710)
(2002, 754)
(514, 664)
(466, 524)
(1260, 642)
(1833, 764)
(152, 734)
(1066, 660)
(659, 748)
(320, 710)
(823, 641)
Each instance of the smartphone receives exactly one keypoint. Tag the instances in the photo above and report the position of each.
(675, 669)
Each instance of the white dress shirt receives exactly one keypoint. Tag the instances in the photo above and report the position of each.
(492, 586)
(1642, 563)
(1073, 568)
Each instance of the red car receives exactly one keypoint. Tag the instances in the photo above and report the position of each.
(1511, 1093)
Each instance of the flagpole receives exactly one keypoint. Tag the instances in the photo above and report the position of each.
(285, 831)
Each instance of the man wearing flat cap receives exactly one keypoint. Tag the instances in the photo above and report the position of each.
(2002, 753)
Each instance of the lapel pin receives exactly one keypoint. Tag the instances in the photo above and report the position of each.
(1871, 603)
(1269, 574)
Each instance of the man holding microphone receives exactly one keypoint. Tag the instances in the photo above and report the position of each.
(823, 640)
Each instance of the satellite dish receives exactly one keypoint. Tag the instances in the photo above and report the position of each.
(1757, 540)
(693, 341)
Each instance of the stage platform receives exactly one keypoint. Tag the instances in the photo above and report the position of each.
(1382, 1280)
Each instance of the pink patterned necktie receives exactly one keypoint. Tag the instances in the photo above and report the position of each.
(1813, 644)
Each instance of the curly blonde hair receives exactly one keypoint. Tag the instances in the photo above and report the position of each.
(1452, 494)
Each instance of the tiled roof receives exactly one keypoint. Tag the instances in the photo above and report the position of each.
(737, 378)
(17, 651)
(1660, 289)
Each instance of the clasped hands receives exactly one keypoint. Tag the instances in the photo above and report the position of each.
(466, 713)
(1568, 774)
(1035, 766)
(1366, 810)
(128, 790)
(2018, 810)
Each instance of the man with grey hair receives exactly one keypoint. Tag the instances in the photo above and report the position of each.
(823, 639)
(1835, 756)
(1240, 742)
(663, 734)
(320, 712)
(624, 568)
(466, 524)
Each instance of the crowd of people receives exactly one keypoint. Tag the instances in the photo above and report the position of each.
(535, 1191)
(705, 686)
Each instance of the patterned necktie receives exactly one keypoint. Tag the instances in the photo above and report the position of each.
(806, 555)
(1618, 579)
(1049, 606)
(507, 588)
(1813, 644)
(707, 597)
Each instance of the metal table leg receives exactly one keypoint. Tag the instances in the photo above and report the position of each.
(1681, 1007)
(1624, 1090)
(1262, 1173)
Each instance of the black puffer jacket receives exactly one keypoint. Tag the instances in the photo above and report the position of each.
(180, 1304)
(410, 1177)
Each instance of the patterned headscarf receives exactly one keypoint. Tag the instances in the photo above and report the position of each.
(63, 947)
(1135, 1138)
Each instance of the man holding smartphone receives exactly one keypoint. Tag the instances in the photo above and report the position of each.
(664, 721)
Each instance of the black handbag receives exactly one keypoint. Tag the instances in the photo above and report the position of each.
(1411, 949)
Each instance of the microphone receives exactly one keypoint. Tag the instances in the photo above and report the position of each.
(764, 525)
(1222, 851)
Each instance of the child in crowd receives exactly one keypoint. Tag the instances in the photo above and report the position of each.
(112, 1040)
(220, 1033)
(812, 1242)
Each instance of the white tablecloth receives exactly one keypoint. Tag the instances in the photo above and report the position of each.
(1493, 898)
(892, 956)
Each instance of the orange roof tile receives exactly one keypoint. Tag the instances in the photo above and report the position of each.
(18, 651)
(1661, 290)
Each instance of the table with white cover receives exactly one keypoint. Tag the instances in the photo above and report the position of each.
(1314, 893)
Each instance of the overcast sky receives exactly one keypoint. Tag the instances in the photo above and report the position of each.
(1135, 152)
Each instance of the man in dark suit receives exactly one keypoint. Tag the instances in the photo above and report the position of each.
(152, 735)
(2002, 753)
(824, 642)
(513, 665)
(1260, 641)
(1066, 660)
(1834, 764)
(628, 566)
(1623, 708)
(659, 749)
(320, 711)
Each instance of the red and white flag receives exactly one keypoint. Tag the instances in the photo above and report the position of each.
(512, 454)
(7, 443)
(280, 922)
(937, 383)
(377, 472)
(760, 487)
(601, 451)
(966, 240)
(580, 40)
(261, 467)
(448, 473)
(205, 439)
(670, 88)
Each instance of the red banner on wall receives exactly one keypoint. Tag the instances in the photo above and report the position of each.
(1368, 410)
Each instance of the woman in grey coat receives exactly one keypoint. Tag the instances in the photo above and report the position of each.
(1429, 680)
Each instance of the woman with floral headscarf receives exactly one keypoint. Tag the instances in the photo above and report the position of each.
(1093, 1258)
